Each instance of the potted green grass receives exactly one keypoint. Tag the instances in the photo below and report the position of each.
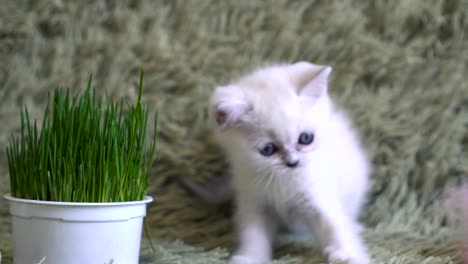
(79, 183)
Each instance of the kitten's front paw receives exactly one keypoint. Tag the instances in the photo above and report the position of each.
(238, 259)
(350, 257)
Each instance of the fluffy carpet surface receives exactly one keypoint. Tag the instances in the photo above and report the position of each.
(400, 69)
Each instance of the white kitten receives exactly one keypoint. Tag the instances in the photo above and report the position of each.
(294, 159)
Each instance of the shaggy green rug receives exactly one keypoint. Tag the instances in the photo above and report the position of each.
(399, 67)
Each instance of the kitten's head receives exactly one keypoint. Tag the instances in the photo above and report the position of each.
(274, 117)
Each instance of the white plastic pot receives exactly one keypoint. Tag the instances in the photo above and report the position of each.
(62, 232)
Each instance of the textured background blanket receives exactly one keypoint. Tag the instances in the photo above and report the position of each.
(400, 69)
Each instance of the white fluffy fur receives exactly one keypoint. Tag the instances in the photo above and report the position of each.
(325, 191)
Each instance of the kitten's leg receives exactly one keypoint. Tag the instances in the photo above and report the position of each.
(255, 229)
(336, 230)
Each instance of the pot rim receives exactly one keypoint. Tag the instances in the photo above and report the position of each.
(10, 198)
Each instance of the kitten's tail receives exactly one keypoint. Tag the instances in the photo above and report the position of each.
(216, 191)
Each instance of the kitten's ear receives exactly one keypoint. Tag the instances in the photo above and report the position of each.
(228, 106)
(312, 79)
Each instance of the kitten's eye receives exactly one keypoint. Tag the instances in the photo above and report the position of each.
(306, 138)
(268, 150)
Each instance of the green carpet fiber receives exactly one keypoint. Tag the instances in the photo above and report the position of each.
(400, 67)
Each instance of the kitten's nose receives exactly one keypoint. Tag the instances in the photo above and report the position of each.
(292, 163)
